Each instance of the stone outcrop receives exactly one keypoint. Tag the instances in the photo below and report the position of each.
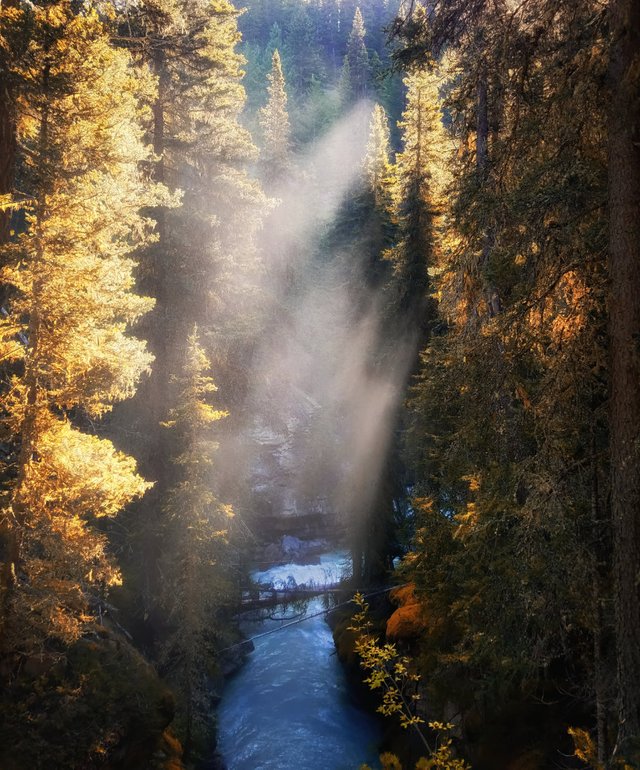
(288, 474)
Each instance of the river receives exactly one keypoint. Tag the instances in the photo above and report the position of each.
(289, 707)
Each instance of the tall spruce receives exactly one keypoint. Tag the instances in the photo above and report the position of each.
(276, 131)
(196, 575)
(420, 169)
(204, 268)
(356, 72)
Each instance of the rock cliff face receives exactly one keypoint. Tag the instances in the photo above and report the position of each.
(290, 475)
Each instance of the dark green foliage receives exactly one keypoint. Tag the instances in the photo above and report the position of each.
(313, 40)
(509, 430)
(98, 700)
(356, 73)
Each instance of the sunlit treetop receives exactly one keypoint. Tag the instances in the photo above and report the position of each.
(70, 311)
(274, 122)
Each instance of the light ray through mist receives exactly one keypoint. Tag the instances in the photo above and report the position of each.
(323, 399)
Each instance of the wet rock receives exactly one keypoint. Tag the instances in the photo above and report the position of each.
(272, 554)
(292, 546)
(233, 659)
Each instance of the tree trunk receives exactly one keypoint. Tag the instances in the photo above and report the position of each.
(601, 556)
(482, 163)
(152, 397)
(7, 134)
(7, 169)
(7, 153)
(482, 127)
(28, 431)
(624, 330)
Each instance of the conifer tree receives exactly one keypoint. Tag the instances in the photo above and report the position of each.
(509, 390)
(12, 40)
(420, 169)
(204, 253)
(302, 52)
(356, 73)
(274, 121)
(196, 576)
(204, 268)
(80, 145)
(381, 179)
(364, 230)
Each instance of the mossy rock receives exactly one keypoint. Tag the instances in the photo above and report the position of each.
(97, 704)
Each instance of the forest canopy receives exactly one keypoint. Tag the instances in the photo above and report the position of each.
(366, 273)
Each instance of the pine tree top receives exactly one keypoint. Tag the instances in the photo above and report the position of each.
(274, 122)
(357, 28)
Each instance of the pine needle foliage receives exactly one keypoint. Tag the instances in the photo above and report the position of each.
(67, 329)
(274, 122)
(196, 575)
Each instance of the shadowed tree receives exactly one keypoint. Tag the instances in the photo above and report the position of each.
(624, 330)
(196, 574)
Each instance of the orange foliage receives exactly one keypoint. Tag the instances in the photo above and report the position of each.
(564, 313)
(407, 621)
(404, 595)
(172, 750)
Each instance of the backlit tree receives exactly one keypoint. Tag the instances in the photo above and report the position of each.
(71, 270)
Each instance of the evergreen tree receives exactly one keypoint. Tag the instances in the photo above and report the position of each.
(12, 41)
(276, 131)
(356, 73)
(196, 577)
(204, 268)
(378, 165)
(420, 169)
(301, 51)
(80, 147)
(511, 386)
(364, 229)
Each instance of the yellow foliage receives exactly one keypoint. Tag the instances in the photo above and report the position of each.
(440, 759)
(71, 306)
(394, 675)
(78, 473)
(390, 762)
(473, 481)
(584, 747)
(75, 278)
(70, 479)
(388, 670)
(466, 519)
(11, 348)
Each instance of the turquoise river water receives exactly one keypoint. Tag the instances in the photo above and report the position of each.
(289, 707)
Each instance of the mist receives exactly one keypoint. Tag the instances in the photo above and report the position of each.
(322, 399)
